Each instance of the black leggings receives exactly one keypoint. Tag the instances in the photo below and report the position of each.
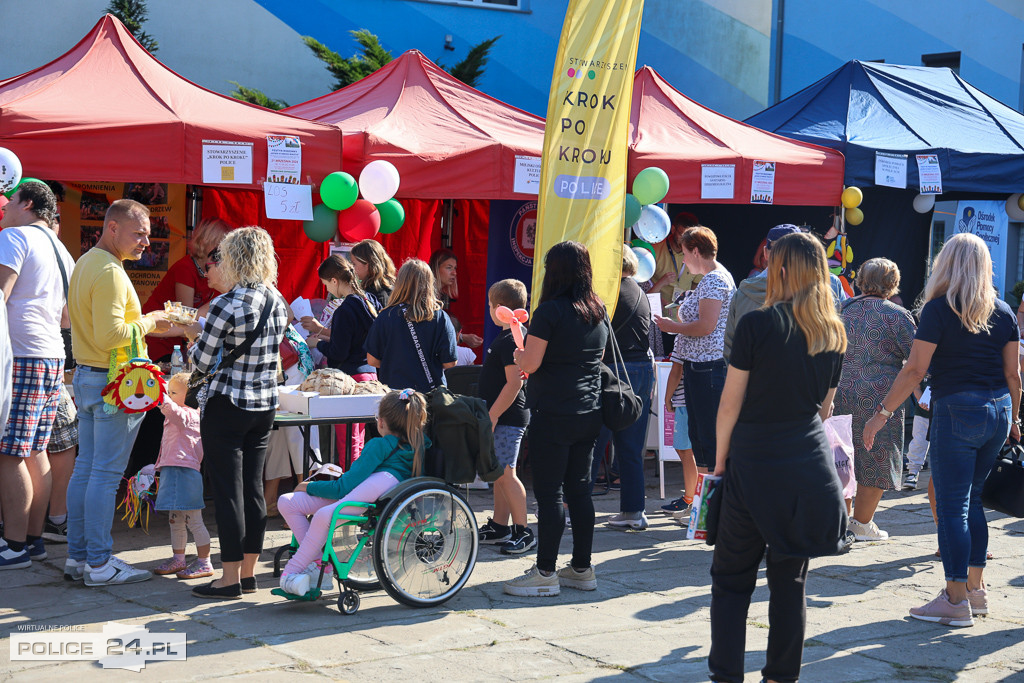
(235, 448)
(561, 451)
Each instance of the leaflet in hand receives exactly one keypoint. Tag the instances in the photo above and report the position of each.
(326, 470)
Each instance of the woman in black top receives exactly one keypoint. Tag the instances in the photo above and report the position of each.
(775, 460)
(562, 357)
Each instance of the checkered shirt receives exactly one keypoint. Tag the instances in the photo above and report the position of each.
(251, 382)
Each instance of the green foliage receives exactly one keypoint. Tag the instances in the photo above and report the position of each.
(470, 69)
(133, 15)
(254, 96)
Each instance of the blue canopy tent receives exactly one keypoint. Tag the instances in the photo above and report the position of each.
(863, 108)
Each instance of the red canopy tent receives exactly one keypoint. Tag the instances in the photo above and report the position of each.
(674, 133)
(107, 110)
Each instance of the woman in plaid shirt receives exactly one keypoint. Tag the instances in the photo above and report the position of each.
(239, 412)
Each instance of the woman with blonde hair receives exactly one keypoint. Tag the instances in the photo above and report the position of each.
(375, 270)
(412, 341)
(970, 341)
(238, 348)
(780, 487)
(880, 334)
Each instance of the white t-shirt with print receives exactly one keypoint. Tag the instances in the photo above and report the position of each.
(37, 299)
(718, 285)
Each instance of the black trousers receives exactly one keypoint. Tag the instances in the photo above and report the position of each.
(234, 449)
(738, 552)
(561, 452)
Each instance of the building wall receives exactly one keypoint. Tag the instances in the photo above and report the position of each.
(818, 37)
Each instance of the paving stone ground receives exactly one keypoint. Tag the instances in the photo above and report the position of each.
(647, 621)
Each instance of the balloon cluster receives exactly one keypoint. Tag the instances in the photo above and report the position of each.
(10, 172)
(649, 222)
(345, 214)
(852, 197)
(1015, 207)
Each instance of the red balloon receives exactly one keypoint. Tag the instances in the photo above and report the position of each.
(358, 222)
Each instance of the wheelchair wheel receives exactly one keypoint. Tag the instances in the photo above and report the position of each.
(361, 576)
(426, 544)
(348, 602)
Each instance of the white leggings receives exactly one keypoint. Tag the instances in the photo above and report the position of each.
(183, 521)
(312, 535)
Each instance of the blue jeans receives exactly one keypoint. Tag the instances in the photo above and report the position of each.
(968, 429)
(704, 382)
(104, 443)
(629, 443)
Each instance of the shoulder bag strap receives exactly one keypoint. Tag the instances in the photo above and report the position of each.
(616, 353)
(60, 261)
(419, 348)
(636, 305)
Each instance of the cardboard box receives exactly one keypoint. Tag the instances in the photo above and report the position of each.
(313, 404)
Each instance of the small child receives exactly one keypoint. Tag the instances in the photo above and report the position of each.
(181, 484)
(675, 400)
(918, 450)
(501, 387)
(386, 461)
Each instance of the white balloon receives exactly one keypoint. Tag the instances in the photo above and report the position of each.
(645, 264)
(1013, 209)
(10, 170)
(379, 181)
(923, 203)
(653, 225)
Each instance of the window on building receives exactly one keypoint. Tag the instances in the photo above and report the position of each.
(493, 4)
(939, 59)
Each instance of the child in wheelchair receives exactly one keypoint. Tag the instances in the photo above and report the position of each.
(384, 463)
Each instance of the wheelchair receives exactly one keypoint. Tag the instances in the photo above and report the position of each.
(418, 542)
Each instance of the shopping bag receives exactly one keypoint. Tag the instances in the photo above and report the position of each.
(706, 495)
(839, 430)
(1004, 488)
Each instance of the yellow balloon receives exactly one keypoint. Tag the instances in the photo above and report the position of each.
(852, 197)
(854, 216)
(1020, 201)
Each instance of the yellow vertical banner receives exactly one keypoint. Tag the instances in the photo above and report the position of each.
(583, 169)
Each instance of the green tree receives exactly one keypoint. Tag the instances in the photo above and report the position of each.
(133, 15)
(373, 56)
(254, 96)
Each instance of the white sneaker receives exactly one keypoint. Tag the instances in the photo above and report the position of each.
(533, 584)
(478, 484)
(296, 584)
(632, 520)
(115, 571)
(867, 532)
(327, 582)
(74, 570)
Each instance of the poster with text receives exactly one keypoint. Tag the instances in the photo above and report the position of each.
(762, 183)
(284, 159)
(83, 206)
(227, 162)
(987, 220)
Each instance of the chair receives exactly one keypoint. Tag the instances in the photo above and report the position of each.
(463, 379)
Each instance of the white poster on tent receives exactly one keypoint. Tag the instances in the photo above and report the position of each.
(988, 220)
(717, 181)
(762, 183)
(527, 175)
(227, 162)
(284, 159)
(891, 170)
(929, 174)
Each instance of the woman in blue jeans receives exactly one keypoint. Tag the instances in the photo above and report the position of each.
(970, 340)
(631, 325)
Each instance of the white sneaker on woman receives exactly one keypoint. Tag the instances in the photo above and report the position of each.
(296, 584)
(867, 532)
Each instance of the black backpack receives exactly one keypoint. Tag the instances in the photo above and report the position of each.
(461, 439)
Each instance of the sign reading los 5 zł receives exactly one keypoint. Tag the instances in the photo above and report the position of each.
(583, 171)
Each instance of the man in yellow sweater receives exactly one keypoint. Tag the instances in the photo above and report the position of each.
(104, 310)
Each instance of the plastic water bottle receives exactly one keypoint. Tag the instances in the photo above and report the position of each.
(177, 361)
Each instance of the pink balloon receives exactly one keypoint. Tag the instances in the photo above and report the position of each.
(514, 319)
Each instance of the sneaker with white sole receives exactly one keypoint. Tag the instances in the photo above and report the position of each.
(867, 532)
(13, 559)
(55, 533)
(910, 482)
(631, 520)
(326, 581)
(115, 572)
(296, 584)
(533, 584)
(74, 570)
(978, 600)
(36, 549)
(580, 579)
(522, 541)
(495, 533)
(673, 506)
(682, 517)
(942, 611)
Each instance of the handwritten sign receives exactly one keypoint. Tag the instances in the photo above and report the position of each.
(227, 163)
(288, 202)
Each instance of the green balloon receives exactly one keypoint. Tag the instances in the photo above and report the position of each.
(339, 191)
(324, 225)
(10, 192)
(633, 209)
(392, 216)
(650, 185)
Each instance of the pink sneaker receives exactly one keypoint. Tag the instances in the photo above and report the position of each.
(979, 601)
(199, 569)
(171, 566)
(942, 611)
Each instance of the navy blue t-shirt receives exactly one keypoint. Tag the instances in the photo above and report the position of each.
(390, 342)
(492, 380)
(965, 361)
(349, 325)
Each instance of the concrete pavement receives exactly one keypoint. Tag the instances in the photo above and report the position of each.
(648, 620)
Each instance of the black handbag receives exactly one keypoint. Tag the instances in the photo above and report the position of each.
(620, 406)
(1004, 488)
